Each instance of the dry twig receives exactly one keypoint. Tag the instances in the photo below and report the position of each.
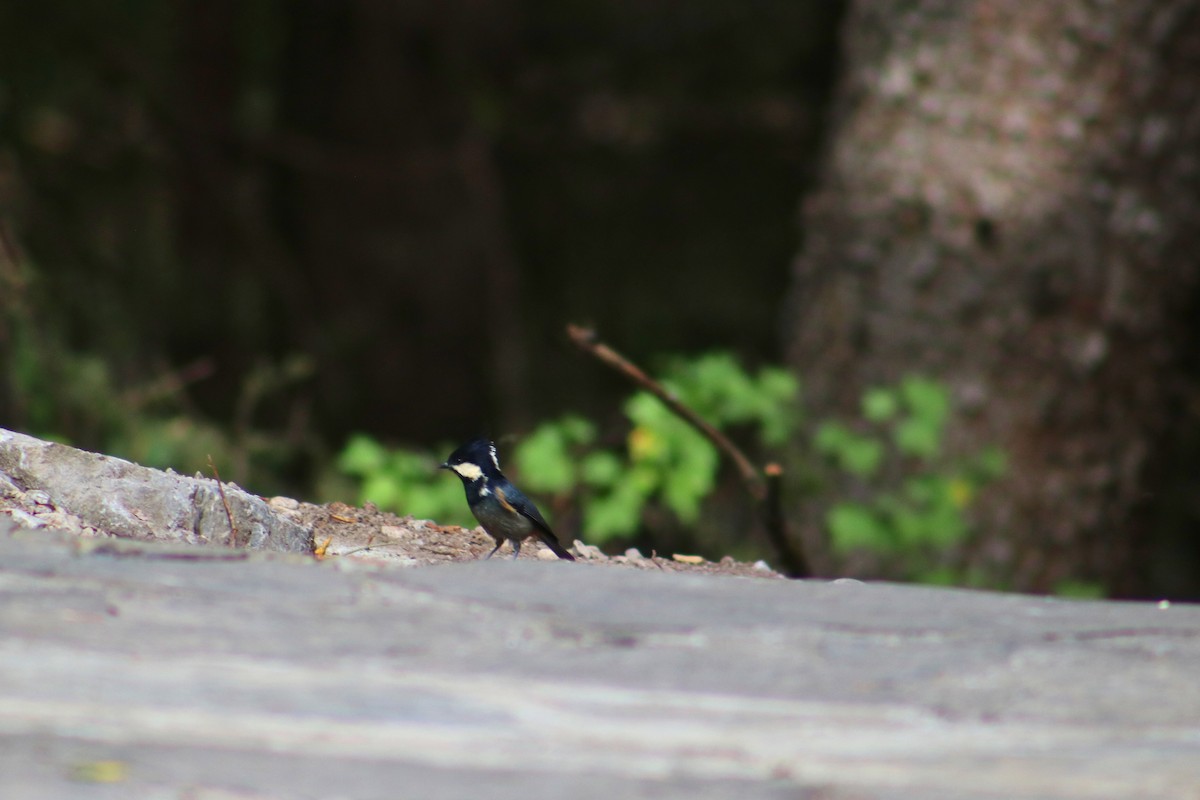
(233, 531)
(766, 491)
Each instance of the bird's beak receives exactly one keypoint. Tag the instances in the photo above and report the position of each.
(444, 465)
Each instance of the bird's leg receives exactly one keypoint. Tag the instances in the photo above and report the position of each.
(516, 543)
(494, 549)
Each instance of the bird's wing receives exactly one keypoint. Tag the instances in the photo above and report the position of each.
(515, 500)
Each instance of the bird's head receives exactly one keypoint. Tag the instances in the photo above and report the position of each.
(474, 460)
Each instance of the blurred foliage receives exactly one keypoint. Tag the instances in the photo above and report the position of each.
(72, 397)
(911, 500)
(1080, 590)
(404, 481)
(664, 460)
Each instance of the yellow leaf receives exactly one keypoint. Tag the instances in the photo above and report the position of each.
(961, 493)
(100, 772)
(319, 552)
(644, 443)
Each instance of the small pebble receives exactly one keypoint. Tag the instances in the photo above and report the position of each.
(26, 520)
(589, 551)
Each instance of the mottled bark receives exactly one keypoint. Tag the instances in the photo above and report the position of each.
(1009, 203)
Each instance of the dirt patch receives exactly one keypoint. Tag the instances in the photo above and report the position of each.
(367, 533)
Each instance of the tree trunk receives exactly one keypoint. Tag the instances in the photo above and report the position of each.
(1009, 203)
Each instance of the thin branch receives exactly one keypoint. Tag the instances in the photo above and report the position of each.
(792, 557)
(586, 340)
(170, 384)
(767, 492)
(233, 531)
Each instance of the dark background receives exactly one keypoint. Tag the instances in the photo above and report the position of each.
(417, 196)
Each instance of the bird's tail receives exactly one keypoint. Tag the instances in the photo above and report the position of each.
(552, 542)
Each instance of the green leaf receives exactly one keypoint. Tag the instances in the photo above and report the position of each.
(861, 456)
(779, 384)
(544, 458)
(858, 455)
(601, 468)
(380, 489)
(941, 576)
(779, 415)
(717, 387)
(853, 526)
(880, 405)
(831, 438)
(576, 430)
(991, 464)
(946, 527)
(926, 400)
(915, 436)
(652, 421)
(409, 465)
(910, 527)
(691, 476)
(614, 513)
(362, 455)
(1080, 590)
(646, 478)
(923, 490)
(669, 456)
(442, 501)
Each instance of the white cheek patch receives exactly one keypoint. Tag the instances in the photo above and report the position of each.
(492, 453)
(470, 471)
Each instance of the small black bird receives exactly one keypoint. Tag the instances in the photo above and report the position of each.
(501, 508)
